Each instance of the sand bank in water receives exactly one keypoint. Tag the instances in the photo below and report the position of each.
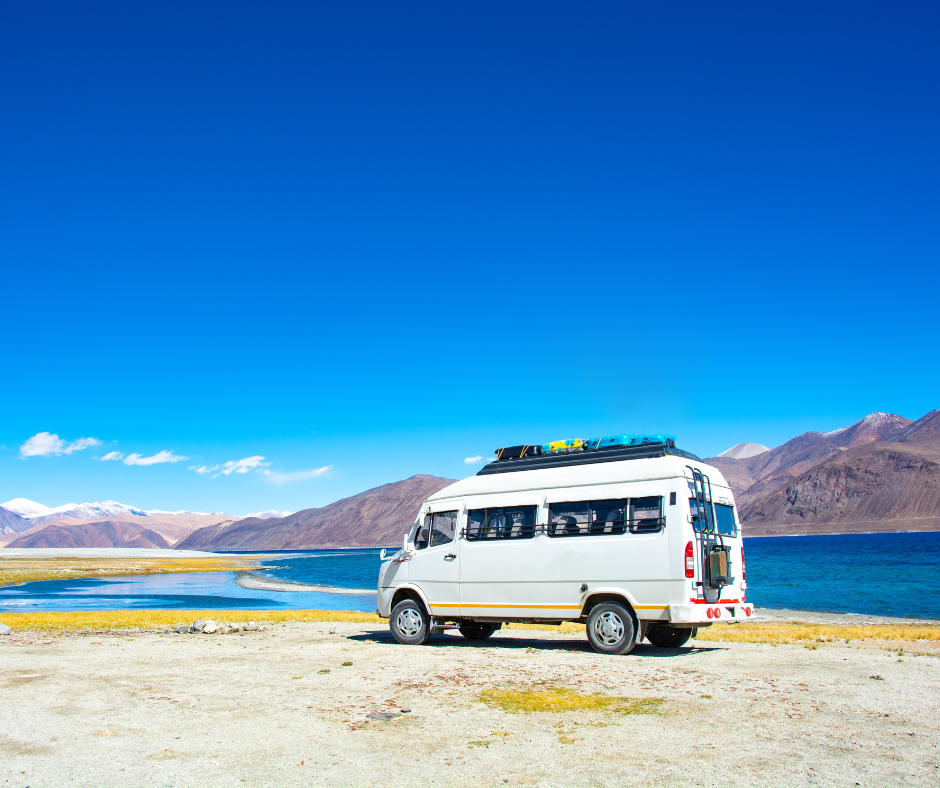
(258, 582)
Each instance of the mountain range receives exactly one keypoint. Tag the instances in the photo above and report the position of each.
(107, 533)
(24, 518)
(374, 518)
(880, 474)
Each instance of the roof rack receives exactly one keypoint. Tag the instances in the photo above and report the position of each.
(587, 456)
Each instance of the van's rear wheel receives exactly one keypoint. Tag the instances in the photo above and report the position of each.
(668, 637)
(476, 631)
(409, 623)
(610, 629)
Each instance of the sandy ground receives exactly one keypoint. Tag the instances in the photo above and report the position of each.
(280, 708)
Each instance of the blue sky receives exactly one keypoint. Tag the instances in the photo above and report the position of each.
(378, 238)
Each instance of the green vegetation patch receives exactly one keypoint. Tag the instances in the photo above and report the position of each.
(560, 699)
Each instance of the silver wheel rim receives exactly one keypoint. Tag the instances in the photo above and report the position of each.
(609, 628)
(409, 622)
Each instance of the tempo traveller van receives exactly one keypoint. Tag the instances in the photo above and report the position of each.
(634, 539)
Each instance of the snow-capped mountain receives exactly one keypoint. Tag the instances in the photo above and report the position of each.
(78, 511)
(26, 508)
(744, 450)
(268, 514)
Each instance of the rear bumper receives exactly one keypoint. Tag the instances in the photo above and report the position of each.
(727, 612)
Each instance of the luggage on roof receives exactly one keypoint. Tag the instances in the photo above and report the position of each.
(515, 452)
(571, 444)
(628, 440)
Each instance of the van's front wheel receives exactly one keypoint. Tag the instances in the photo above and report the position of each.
(409, 623)
(610, 629)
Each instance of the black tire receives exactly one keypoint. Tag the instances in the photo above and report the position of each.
(611, 629)
(478, 631)
(668, 637)
(410, 624)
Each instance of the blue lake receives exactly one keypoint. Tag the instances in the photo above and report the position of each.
(873, 574)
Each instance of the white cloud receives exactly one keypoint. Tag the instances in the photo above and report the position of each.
(46, 444)
(242, 466)
(112, 455)
(477, 460)
(154, 459)
(295, 476)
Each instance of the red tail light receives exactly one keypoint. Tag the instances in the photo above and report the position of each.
(743, 576)
(689, 561)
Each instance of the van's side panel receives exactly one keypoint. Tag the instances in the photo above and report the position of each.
(634, 565)
(500, 577)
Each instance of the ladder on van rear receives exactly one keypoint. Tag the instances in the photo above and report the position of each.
(715, 557)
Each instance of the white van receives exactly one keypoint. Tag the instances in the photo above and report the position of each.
(636, 541)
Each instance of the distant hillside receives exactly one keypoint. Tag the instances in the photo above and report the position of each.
(752, 478)
(107, 533)
(883, 486)
(11, 522)
(925, 432)
(881, 474)
(375, 518)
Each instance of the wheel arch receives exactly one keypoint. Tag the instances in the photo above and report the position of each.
(410, 592)
(601, 596)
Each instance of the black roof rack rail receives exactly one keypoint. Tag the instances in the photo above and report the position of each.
(589, 457)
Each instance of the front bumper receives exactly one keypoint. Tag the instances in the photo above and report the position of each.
(711, 613)
(384, 599)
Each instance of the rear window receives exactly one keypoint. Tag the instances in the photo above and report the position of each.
(724, 518)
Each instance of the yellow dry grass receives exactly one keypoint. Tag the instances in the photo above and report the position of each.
(24, 570)
(798, 632)
(561, 699)
(160, 619)
(785, 632)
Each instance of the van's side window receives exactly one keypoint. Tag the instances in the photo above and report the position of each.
(510, 522)
(423, 532)
(443, 527)
(589, 518)
(646, 514)
(568, 519)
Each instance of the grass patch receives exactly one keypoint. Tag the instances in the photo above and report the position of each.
(560, 699)
(799, 632)
(161, 619)
(25, 570)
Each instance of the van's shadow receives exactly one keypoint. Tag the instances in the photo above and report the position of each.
(522, 643)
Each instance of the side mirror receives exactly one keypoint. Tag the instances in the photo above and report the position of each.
(407, 548)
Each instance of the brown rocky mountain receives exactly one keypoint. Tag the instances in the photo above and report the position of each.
(374, 518)
(925, 432)
(11, 522)
(754, 477)
(106, 533)
(882, 486)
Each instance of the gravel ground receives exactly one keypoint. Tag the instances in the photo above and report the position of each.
(280, 708)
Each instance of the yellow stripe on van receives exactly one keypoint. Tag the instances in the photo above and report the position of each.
(542, 607)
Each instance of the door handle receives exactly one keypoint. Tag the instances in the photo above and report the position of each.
(449, 556)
